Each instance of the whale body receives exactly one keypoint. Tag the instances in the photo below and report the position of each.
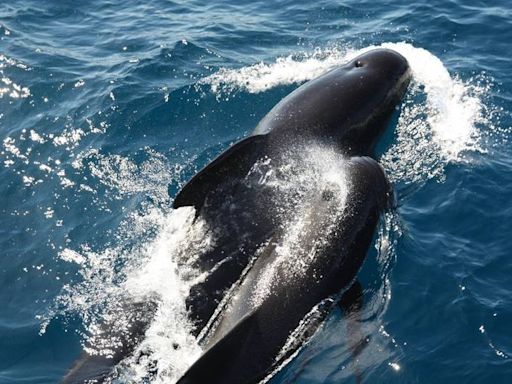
(294, 207)
(255, 296)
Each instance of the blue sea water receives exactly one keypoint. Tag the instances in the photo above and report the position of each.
(107, 107)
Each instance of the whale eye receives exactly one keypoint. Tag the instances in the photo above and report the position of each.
(358, 64)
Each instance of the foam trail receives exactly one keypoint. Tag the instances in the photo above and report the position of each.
(453, 107)
(285, 70)
(169, 347)
(158, 270)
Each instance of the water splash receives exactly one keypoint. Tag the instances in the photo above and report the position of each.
(169, 347)
(125, 177)
(439, 122)
(293, 69)
(300, 180)
(453, 107)
(158, 270)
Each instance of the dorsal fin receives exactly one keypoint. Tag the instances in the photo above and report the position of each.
(235, 162)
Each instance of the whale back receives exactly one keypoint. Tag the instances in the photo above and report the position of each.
(252, 330)
(346, 109)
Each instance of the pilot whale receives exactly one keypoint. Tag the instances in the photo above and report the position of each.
(288, 237)
(250, 324)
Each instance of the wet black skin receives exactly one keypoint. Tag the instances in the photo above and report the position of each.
(346, 109)
(243, 346)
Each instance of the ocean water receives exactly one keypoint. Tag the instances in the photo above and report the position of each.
(108, 107)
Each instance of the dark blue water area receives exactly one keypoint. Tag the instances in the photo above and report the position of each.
(103, 114)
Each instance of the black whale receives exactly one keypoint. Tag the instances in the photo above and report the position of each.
(343, 112)
(244, 328)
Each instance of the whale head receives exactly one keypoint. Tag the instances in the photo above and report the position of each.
(350, 105)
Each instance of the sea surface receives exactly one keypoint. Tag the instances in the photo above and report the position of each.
(108, 107)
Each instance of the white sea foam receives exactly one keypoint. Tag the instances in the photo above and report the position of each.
(157, 270)
(318, 169)
(125, 177)
(261, 77)
(71, 256)
(446, 124)
(169, 346)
